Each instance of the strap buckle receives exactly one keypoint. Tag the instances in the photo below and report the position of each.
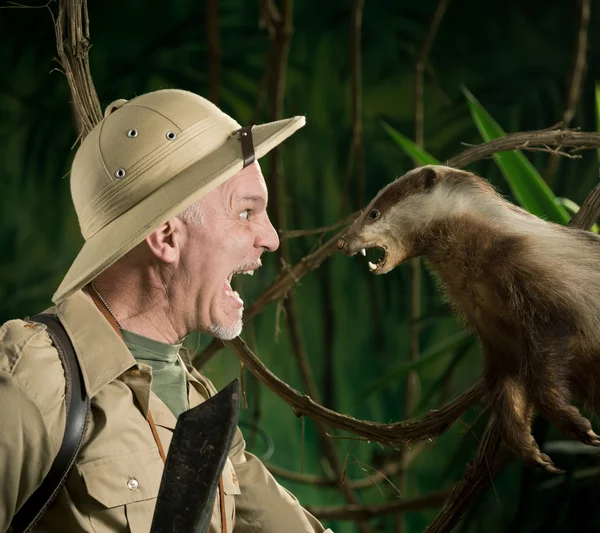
(244, 135)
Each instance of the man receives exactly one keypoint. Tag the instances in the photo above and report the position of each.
(172, 205)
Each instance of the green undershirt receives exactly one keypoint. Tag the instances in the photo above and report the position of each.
(168, 374)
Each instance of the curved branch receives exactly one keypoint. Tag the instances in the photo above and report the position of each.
(431, 425)
(565, 138)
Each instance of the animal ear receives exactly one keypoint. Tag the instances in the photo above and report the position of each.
(429, 178)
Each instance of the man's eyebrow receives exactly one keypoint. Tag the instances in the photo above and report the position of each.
(252, 198)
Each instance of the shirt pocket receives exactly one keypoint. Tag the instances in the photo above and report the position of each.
(123, 491)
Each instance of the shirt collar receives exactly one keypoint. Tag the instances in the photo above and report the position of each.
(102, 354)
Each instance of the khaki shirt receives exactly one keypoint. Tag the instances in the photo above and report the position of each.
(99, 495)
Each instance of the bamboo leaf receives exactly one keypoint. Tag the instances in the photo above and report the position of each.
(525, 182)
(412, 150)
(427, 357)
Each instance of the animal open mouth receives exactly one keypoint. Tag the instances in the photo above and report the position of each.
(376, 256)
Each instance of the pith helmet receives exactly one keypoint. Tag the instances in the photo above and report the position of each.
(145, 162)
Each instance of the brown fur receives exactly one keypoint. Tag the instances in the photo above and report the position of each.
(540, 342)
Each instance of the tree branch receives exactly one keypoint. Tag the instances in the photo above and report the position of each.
(477, 477)
(293, 234)
(379, 475)
(422, 58)
(326, 444)
(576, 78)
(214, 50)
(579, 63)
(365, 512)
(412, 385)
(356, 152)
(589, 211)
(566, 138)
(431, 425)
(73, 43)
(279, 24)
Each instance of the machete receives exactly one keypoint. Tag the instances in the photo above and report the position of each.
(197, 455)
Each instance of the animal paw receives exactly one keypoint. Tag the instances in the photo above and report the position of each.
(544, 461)
(591, 438)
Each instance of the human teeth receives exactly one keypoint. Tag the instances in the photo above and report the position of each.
(363, 252)
(372, 266)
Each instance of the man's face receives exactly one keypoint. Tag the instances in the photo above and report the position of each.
(234, 232)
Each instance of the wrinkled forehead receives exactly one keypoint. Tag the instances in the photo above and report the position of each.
(247, 183)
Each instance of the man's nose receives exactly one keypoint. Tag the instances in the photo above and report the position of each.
(268, 238)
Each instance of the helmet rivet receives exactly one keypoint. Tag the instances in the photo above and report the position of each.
(120, 173)
(171, 135)
(132, 133)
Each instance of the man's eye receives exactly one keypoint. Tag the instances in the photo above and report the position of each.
(245, 214)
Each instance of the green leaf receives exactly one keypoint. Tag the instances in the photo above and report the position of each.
(525, 182)
(411, 149)
(572, 207)
(427, 357)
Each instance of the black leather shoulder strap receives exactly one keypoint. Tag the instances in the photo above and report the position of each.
(76, 421)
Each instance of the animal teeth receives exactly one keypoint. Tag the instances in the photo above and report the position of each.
(372, 266)
(363, 252)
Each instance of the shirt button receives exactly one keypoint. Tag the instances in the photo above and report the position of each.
(132, 484)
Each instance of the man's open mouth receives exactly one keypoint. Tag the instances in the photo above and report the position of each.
(376, 257)
(227, 285)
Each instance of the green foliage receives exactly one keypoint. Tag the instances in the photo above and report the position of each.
(410, 148)
(524, 180)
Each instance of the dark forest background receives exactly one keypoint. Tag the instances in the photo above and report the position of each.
(515, 56)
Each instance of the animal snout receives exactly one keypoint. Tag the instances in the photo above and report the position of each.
(341, 244)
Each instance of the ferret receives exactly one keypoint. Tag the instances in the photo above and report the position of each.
(529, 288)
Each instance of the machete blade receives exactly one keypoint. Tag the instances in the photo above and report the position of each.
(197, 454)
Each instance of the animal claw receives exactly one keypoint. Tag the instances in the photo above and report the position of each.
(594, 440)
(546, 463)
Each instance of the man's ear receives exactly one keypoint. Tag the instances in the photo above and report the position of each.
(166, 241)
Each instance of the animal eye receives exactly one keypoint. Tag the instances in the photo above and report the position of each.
(374, 214)
(245, 214)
